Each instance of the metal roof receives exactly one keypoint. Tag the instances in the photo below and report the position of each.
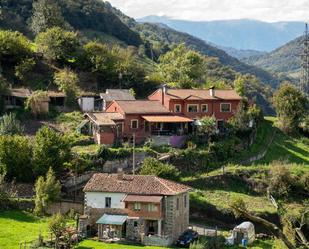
(108, 219)
(167, 119)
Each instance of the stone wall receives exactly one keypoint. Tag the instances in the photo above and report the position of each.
(135, 229)
(64, 207)
(176, 220)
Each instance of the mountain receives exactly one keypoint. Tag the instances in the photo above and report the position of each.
(285, 59)
(243, 34)
(160, 33)
(92, 18)
(240, 54)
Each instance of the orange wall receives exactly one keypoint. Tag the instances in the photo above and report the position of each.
(213, 106)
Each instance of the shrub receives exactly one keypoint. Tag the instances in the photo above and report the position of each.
(152, 166)
(10, 125)
(15, 158)
(281, 180)
(50, 149)
(47, 190)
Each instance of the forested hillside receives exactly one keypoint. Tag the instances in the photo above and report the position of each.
(122, 47)
(285, 59)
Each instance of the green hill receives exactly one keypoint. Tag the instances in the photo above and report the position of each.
(96, 19)
(285, 60)
(81, 15)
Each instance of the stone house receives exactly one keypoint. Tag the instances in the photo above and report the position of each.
(140, 208)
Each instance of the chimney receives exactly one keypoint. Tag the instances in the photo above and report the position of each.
(212, 91)
(120, 174)
(164, 89)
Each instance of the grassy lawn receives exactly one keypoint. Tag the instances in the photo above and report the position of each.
(17, 226)
(91, 244)
(284, 147)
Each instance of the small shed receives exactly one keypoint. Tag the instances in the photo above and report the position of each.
(244, 231)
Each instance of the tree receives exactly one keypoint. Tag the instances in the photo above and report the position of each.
(46, 14)
(50, 150)
(291, 106)
(14, 47)
(67, 81)
(58, 45)
(47, 190)
(152, 166)
(182, 68)
(57, 226)
(24, 68)
(208, 125)
(15, 158)
(281, 180)
(10, 125)
(240, 121)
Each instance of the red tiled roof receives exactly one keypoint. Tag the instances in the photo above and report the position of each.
(142, 106)
(197, 94)
(137, 184)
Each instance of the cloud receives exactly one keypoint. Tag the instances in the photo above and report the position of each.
(198, 10)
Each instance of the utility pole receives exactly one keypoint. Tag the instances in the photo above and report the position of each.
(304, 80)
(133, 161)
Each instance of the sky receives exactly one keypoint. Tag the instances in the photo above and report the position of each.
(204, 10)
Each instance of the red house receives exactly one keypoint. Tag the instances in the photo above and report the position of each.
(139, 118)
(197, 103)
(166, 117)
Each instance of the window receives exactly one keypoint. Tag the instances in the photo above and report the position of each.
(152, 208)
(204, 108)
(177, 108)
(137, 206)
(185, 201)
(192, 108)
(134, 124)
(225, 107)
(135, 224)
(177, 204)
(108, 202)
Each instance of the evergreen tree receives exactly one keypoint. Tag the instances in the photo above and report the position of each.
(291, 106)
(50, 151)
(67, 81)
(47, 190)
(46, 14)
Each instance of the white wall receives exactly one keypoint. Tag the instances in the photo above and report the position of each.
(86, 104)
(97, 199)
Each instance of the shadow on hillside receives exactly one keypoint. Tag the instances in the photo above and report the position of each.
(227, 182)
(19, 216)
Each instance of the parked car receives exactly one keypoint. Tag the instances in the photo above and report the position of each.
(188, 237)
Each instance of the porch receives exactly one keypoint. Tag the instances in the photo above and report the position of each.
(168, 129)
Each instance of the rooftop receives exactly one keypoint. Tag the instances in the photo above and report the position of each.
(202, 94)
(137, 184)
(104, 118)
(117, 94)
(142, 107)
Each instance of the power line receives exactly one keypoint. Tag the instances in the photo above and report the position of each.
(304, 80)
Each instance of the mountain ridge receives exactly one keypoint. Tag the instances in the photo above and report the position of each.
(242, 34)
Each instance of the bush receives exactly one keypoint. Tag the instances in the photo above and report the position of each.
(15, 158)
(152, 166)
(281, 180)
(10, 125)
(109, 154)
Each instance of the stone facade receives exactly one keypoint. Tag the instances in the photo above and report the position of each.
(176, 215)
